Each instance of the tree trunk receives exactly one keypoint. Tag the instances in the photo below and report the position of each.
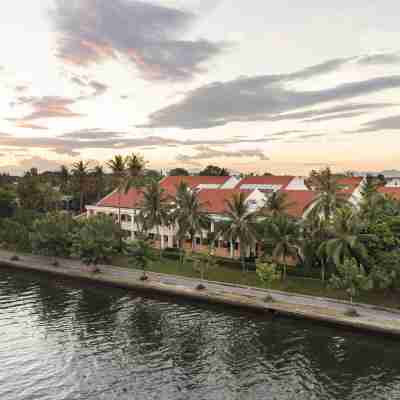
(323, 272)
(161, 242)
(81, 201)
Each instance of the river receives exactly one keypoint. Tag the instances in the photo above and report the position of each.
(65, 340)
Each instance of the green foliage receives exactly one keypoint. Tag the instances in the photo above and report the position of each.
(140, 254)
(241, 225)
(283, 237)
(268, 273)
(96, 240)
(203, 263)
(7, 202)
(52, 235)
(179, 172)
(351, 277)
(214, 170)
(14, 235)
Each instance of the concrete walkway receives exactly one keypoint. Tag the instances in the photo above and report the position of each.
(373, 319)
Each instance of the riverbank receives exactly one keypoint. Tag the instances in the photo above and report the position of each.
(372, 319)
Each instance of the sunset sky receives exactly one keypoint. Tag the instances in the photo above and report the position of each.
(283, 86)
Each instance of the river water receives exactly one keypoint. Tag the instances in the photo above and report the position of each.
(60, 339)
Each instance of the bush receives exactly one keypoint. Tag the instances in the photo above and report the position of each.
(97, 240)
(268, 273)
(52, 235)
(14, 235)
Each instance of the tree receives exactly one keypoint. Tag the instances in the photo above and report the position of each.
(178, 172)
(96, 240)
(213, 170)
(346, 238)
(315, 232)
(140, 255)
(118, 170)
(276, 203)
(155, 211)
(329, 196)
(352, 278)
(64, 179)
(7, 202)
(188, 214)
(99, 181)
(268, 273)
(52, 235)
(203, 262)
(241, 225)
(283, 235)
(135, 165)
(80, 173)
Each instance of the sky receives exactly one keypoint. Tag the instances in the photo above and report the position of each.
(254, 86)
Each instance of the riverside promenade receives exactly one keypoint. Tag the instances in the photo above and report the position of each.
(372, 319)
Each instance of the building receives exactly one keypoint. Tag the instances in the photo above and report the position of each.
(214, 193)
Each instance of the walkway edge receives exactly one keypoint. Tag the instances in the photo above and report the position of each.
(224, 298)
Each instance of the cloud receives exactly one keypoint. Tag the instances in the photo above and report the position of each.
(336, 116)
(98, 88)
(264, 98)
(383, 124)
(92, 134)
(21, 88)
(206, 153)
(380, 59)
(342, 108)
(147, 35)
(31, 126)
(47, 107)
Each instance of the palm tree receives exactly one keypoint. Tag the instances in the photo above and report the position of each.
(241, 226)
(80, 172)
(329, 198)
(135, 165)
(118, 169)
(315, 232)
(276, 203)
(347, 238)
(99, 181)
(188, 214)
(283, 234)
(64, 178)
(154, 209)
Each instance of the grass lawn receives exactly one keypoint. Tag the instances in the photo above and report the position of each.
(307, 286)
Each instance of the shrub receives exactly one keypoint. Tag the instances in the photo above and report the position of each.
(96, 240)
(268, 273)
(52, 235)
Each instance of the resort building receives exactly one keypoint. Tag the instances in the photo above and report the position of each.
(214, 193)
(391, 189)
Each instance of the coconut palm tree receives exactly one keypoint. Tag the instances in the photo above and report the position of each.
(241, 225)
(347, 238)
(188, 214)
(329, 193)
(276, 203)
(284, 236)
(80, 173)
(135, 165)
(64, 178)
(99, 181)
(118, 170)
(155, 211)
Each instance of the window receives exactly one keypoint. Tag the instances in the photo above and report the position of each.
(236, 246)
(198, 241)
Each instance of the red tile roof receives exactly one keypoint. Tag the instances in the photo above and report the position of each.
(393, 192)
(132, 199)
(350, 184)
(266, 180)
(215, 200)
(299, 201)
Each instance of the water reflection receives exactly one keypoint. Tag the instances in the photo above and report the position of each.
(88, 342)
